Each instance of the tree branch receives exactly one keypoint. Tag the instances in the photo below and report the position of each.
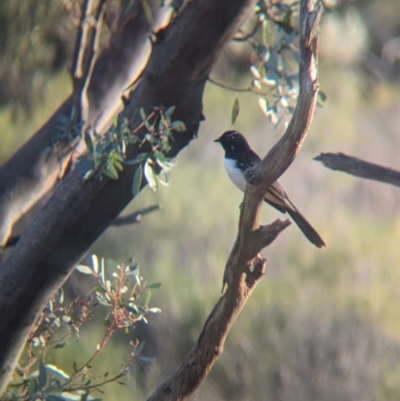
(31, 173)
(359, 168)
(79, 211)
(245, 267)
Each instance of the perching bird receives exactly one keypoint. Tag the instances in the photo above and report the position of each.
(238, 158)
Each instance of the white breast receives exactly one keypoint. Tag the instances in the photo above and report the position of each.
(235, 174)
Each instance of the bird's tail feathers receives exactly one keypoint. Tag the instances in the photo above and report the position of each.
(307, 229)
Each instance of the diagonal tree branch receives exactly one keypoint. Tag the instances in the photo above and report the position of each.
(79, 211)
(359, 168)
(245, 267)
(31, 172)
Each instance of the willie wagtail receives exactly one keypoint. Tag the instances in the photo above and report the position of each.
(239, 157)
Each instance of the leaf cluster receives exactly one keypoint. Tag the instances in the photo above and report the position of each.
(274, 69)
(125, 297)
(107, 154)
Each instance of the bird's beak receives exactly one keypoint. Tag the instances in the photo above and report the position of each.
(217, 140)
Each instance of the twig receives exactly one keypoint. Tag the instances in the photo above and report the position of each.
(248, 89)
(135, 217)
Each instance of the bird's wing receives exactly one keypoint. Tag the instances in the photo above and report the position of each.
(276, 195)
(251, 159)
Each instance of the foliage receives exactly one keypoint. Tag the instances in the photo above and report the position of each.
(124, 297)
(107, 153)
(275, 60)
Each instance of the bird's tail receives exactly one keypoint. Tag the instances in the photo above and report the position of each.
(306, 227)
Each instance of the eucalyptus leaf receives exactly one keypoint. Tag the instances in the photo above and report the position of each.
(84, 269)
(111, 172)
(150, 175)
(178, 126)
(169, 112)
(154, 285)
(137, 180)
(42, 376)
(95, 263)
(147, 299)
(235, 110)
(146, 359)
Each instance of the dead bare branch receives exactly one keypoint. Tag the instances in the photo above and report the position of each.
(359, 168)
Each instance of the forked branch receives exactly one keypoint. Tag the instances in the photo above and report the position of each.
(245, 267)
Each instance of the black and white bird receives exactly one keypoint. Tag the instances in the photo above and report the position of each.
(238, 158)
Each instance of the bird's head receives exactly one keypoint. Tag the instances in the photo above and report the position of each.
(233, 140)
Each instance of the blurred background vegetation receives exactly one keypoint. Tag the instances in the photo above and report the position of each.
(323, 324)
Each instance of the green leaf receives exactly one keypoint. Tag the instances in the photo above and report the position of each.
(84, 269)
(150, 175)
(235, 109)
(137, 160)
(57, 371)
(66, 319)
(147, 299)
(88, 174)
(61, 296)
(139, 348)
(321, 98)
(146, 359)
(60, 345)
(95, 263)
(42, 375)
(110, 171)
(89, 142)
(117, 156)
(165, 163)
(66, 395)
(137, 180)
(263, 103)
(147, 11)
(165, 181)
(169, 112)
(256, 73)
(32, 386)
(178, 126)
(113, 264)
(284, 102)
(155, 286)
